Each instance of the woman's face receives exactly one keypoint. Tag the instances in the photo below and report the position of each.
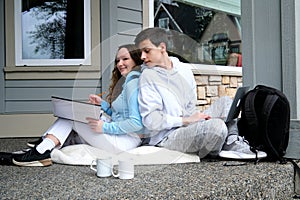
(124, 61)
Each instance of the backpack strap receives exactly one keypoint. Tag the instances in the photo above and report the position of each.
(251, 118)
(249, 111)
(267, 107)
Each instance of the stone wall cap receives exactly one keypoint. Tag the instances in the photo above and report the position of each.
(216, 70)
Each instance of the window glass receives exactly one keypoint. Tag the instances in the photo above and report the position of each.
(201, 34)
(52, 32)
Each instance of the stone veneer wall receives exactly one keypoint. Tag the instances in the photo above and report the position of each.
(214, 82)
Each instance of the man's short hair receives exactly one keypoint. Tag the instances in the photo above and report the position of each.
(155, 35)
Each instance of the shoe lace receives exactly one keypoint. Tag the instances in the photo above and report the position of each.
(253, 149)
(241, 139)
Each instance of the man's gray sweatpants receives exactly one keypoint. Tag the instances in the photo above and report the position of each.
(206, 136)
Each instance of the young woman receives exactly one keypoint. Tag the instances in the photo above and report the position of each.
(120, 134)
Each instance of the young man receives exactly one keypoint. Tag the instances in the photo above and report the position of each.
(167, 102)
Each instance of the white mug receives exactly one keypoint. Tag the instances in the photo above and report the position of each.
(125, 169)
(104, 166)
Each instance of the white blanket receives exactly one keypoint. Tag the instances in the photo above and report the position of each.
(83, 154)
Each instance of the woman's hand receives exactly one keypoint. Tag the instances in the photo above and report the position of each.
(95, 124)
(95, 99)
(195, 118)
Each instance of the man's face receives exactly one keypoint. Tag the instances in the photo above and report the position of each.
(151, 54)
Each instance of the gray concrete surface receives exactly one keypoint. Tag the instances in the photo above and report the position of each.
(209, 179)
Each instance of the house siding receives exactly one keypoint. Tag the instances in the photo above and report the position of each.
(121, 21)
(129, 20)
(34, 95)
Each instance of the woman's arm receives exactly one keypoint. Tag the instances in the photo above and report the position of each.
(105, 106)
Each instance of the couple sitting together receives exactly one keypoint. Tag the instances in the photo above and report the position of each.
(152, 101)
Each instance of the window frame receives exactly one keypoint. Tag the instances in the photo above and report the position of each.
(19, 61)
(222, 6)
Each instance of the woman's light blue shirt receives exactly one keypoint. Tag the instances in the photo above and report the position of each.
(124, 112)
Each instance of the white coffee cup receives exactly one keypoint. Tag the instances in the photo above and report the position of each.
(104, 166)
(125, 169)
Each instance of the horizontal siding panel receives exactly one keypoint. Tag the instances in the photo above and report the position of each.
(129, 28)
(34, 94)
(51, 83)
(29, 107)
(130, 15)
(125, 39)
(131, 4)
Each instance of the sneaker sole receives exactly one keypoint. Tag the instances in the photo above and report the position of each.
(30, 145)
(40, 163)
(241, 156)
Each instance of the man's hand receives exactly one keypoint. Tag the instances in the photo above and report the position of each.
(95, 124)
(195, 118)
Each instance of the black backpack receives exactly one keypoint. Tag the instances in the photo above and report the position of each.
(265, 121)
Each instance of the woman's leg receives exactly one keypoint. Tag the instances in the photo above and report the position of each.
(59, 131)
(109, 143)
(40, 155)
(55, 136)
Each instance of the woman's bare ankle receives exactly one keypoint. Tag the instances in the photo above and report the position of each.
(53, 138)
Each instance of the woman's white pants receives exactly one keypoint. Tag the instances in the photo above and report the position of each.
(61, 129)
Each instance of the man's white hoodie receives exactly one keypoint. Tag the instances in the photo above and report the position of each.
(165, 96)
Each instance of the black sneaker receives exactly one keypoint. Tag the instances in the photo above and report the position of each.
(34, 143)
(33, 158)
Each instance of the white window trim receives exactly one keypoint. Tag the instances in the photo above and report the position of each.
(52, 62)
(232, 7)
(151, 13)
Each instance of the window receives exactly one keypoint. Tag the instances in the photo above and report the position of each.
(212, 34)
(163, 23)
(52, 32)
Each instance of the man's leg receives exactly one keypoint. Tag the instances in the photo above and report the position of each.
(206, 137)
(220, 109)
(235, 147)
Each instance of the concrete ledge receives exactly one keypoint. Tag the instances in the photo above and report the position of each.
(293, 149)
(25, 125)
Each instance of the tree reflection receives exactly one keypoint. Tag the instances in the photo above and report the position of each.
(49, 33)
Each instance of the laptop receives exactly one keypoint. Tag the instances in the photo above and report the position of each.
(235, 106)
(75, 110)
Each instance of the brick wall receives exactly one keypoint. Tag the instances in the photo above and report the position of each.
(210, 86)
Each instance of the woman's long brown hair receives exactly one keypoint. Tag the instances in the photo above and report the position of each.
(117, 79)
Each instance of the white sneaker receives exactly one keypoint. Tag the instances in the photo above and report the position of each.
(240, 149)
